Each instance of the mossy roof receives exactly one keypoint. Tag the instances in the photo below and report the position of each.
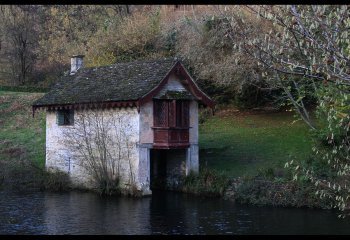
(118, 82)
(176, 95)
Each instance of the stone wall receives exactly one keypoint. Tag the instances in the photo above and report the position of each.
(63, 154)
(138, 130)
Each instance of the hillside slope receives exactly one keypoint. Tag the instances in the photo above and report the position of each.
(22, 138)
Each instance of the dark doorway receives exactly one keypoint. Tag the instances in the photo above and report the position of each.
(158, 168)
(167, 167)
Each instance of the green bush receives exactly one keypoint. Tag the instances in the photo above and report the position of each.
(267, 173)
(275, 187)
(207, 183)
(280, 193)
(221, 94)
(204, 114)
(319, 167)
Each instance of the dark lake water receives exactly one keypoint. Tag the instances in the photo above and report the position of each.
(163, 213)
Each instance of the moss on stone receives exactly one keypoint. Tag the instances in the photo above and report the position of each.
(176, 95)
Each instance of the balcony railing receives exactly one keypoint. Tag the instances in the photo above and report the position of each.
(170, 137)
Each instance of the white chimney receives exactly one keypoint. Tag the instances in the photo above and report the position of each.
(76, 62)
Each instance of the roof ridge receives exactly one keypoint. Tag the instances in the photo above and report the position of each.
(174, 59)
(115, 82)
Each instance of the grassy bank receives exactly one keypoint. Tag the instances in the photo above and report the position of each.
(21, 135)
(244, 143)
(238, 143)
(232, 144)
(22, 144)
(242, 157)
(251, 149)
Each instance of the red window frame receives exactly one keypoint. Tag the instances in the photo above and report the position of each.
(171, 113)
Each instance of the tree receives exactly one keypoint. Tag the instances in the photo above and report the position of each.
(204, 43)
(21, 33)
(121, 10)
(101, 143)
(306, 51)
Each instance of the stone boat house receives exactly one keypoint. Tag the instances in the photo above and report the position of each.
(150, 107)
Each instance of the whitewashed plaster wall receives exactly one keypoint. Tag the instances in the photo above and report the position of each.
(62, 157)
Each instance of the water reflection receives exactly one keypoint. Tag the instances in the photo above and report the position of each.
(92, 214)
(173, 213)
(21, 213)
(163, 213)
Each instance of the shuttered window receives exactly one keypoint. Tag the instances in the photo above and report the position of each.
(161, 109)
(182, 114)
(65, 117)
(174, 113)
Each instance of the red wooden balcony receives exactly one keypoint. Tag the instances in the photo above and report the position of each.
(171, 124)
(168, 137)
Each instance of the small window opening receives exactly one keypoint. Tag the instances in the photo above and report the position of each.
(65, 117)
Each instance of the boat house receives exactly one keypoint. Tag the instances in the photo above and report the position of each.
(136, 122)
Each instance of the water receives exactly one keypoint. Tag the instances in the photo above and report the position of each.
(163, 213)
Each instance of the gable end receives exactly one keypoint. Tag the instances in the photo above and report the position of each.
(179, 70)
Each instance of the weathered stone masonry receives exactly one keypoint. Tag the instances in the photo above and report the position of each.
(59, 155)
(128, 90)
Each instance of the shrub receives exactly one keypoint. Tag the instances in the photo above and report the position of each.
(207, 183)
(137, 37)
(22, 176)
(280, 193)
(108, 187)
(55, 181)
(131, 191)
(204, 114)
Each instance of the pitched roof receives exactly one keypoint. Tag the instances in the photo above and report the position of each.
(114, 83)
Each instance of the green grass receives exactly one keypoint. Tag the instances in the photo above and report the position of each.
(239, 144)
(242, 144)
(21, 135)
